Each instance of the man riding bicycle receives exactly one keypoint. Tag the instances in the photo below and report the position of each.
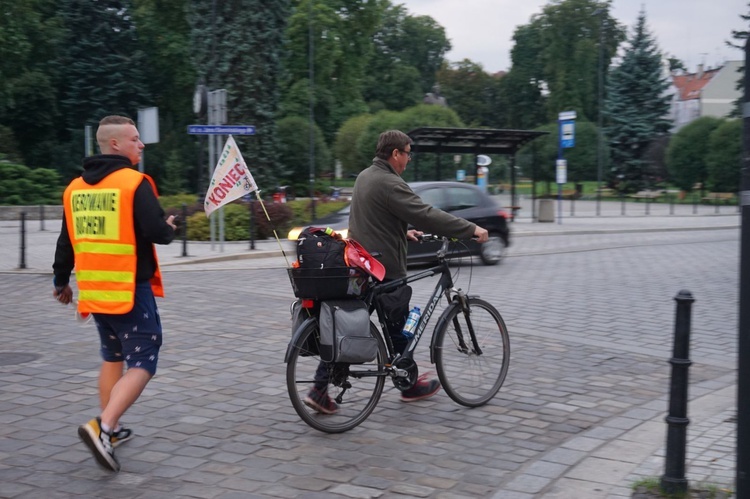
(383, 206)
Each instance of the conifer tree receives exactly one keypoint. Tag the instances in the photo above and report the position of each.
(102, 65)
(740, 35)
(237, 46)
(636, 108)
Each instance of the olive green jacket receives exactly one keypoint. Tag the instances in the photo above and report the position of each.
(383, 205)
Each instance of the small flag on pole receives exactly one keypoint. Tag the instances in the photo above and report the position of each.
(231, 179)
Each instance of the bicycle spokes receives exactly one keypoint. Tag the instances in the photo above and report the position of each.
(472, 370)
(332, 397)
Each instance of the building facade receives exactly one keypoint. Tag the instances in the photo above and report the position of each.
(710, 92)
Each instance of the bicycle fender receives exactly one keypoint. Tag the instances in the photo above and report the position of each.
(295, 337)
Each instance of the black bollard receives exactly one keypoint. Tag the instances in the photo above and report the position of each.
(22, 262)
(673, 481)
(41, 217)
(184, 230)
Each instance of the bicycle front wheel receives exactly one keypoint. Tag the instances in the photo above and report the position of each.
(472, 372)
(332, 397)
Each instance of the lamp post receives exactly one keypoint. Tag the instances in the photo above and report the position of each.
(311, 70)
(600, 103)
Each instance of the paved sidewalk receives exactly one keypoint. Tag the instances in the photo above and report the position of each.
(600, 462)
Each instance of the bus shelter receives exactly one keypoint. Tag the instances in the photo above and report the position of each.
(476, 141)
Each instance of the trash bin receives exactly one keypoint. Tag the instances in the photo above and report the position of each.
(546, 210)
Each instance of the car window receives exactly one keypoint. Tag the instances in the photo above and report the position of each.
(460, 198)
(433, 196)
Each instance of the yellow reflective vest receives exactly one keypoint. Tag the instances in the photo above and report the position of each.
(101, 229)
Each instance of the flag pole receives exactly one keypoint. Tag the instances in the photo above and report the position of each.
(275, 235)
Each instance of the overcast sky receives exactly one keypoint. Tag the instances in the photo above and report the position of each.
(694, 31)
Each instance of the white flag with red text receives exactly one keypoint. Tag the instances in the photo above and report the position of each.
(231, 179)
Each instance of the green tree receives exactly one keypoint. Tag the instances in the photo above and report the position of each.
(174, 180)
(740, 37)
(636, 107)
(368, 139)
(102, 69)
(345, 146)
(724, 157)
(340, 32)
(237, 46)
(538, 158)
(571, 53)
(556, 61)
(423, 166)
(294, 153)
(164, 34)
(686, 154)
(408, 51)
(29, 36)
(472, 93)
(428, 45)
(675, 64)
(9, 146)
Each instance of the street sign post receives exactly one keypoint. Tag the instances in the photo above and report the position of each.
(566, 138)
(148, 128)
(561, 171)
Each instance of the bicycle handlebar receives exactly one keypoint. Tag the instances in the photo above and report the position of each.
(432, 237)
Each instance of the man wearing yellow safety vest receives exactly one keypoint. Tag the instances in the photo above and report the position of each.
(112, 219)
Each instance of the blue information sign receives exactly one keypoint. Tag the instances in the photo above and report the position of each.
(567, 133)
(221, 130)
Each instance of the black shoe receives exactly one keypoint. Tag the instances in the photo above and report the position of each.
(100, 444)
(320, 401)
(423, 389)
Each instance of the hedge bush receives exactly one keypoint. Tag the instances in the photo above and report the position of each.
(237, 222)
(283, 216)
(24, 186)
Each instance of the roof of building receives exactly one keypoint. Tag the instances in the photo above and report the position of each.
(690, 85)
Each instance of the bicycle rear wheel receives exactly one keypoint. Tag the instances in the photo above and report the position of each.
(355, 388)
(471, 376)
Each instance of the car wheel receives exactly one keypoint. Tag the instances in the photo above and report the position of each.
(493, 250)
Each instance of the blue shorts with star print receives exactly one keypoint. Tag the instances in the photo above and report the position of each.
(134, 337)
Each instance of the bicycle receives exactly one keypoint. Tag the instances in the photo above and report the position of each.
(470, 348)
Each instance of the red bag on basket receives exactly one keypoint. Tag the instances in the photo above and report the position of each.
(357, 256)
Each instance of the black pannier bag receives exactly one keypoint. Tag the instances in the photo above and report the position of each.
(345, 334)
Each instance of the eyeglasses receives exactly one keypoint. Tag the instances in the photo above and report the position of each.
(409, 153)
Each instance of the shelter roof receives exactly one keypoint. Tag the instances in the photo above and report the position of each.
(470, 140)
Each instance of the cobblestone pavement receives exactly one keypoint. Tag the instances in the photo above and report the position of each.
(590, 313)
